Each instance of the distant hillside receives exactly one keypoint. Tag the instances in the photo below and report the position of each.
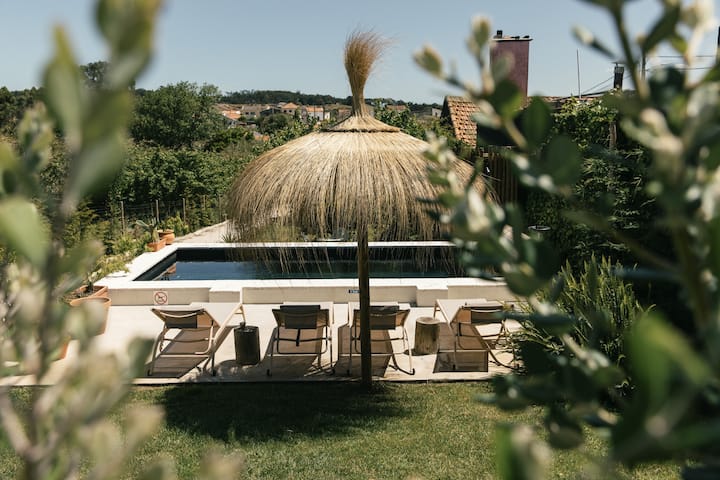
(277, 96)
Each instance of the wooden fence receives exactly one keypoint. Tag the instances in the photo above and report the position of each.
(502, 178)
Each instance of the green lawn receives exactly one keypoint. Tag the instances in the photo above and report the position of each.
(335, 430)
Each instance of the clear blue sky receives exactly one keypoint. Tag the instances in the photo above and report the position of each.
(297, 45)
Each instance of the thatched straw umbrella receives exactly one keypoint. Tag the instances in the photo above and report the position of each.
(357, 175)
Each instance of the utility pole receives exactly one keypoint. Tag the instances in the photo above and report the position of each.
(577, 61)
(643, 65)
(619, 73)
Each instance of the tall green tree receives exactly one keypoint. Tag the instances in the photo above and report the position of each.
(404, 120)
(272, 123)
(13, 105)
(153, 172)
(612, 183)
(179, 115)
(95, 73)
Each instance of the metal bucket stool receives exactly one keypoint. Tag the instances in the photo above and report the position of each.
(247, 344)
(427, 333)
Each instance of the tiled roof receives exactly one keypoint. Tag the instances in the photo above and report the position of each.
(459, 110)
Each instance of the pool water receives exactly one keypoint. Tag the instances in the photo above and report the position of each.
(336, 262)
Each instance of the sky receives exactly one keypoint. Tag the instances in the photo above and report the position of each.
(297, 45)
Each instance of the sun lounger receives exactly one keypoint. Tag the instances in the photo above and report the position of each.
(299, 324)
(388, 318)
(476, 324)
(192, 332)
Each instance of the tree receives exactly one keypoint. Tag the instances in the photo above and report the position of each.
(178, 115)
(672, 407)
(230, 137)
(7, 110)
(13, 105)
(277, 96)
(152, 172)
(95, 73)
(404, 120)
(272, 123)
(612, 183)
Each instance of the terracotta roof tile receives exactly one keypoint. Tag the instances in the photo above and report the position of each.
(460, 110)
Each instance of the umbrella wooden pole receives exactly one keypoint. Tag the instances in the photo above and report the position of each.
(364, 287)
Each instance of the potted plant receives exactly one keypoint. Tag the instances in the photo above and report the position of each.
(103, 301)
(88, 289)
(106, 265)
(90, 292)
(173, 226)
(167, 234)
(156, 243)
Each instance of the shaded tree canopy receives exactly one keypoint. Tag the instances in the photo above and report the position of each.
(274, 122)
(277, 96)
(13, 104)
(177, 115)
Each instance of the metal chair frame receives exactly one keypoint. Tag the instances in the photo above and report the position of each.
(197, 320)
(388, 318)
(302, 318)
(471, 317)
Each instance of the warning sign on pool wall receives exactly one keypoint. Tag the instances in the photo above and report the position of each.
(160, 297)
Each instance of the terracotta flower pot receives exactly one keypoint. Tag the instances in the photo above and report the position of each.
(155, 246)
(106, 302)
(168, 235)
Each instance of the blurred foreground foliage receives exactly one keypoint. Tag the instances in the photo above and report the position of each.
(66, 432)
(665, 364)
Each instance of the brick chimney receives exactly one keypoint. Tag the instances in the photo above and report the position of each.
(517, 48)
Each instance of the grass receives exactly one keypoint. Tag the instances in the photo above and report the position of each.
(335, 430)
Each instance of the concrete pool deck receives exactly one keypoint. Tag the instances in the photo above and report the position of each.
(130, 316)
(137, 321)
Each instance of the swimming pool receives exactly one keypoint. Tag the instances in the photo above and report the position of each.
(305, 261)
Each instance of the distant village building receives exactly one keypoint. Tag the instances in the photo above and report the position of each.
(251, 111)
(230, 112)
(238, 113)
(317, 113)
(396, 108)
(288, 108)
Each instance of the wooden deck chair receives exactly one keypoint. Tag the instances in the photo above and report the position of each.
(388, 318)
(478, 327)
(295, 324)
(189, 332)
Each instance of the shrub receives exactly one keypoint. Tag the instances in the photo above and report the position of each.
(603, 306)
(673, 409)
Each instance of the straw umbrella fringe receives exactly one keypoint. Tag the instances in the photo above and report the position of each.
(360, 174)
(360, 171)
(329, 180)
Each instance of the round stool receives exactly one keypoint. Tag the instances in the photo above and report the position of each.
(427, 332)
